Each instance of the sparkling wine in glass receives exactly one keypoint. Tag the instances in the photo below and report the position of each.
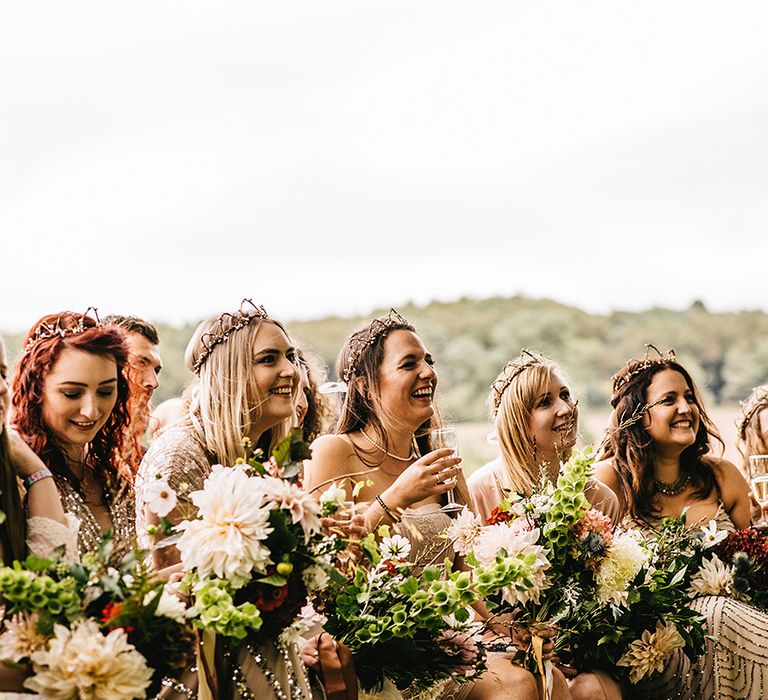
(758, 472)
(447, 438)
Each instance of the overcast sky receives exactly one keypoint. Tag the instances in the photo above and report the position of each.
(167, 159)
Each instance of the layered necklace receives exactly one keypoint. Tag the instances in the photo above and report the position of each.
(414, 451)
(674, 488)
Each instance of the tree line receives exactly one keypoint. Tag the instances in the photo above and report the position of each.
(470, 339)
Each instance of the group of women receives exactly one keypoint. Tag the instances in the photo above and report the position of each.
(67, 413)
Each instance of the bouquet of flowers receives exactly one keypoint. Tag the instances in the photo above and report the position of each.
(550, 560)
(252, 546)
(631, 632)
(88, 630)
(733, 564)
(388, 612)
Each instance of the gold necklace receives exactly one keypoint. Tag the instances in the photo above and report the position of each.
(414, 452)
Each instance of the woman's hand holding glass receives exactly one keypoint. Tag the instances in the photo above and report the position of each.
(431, 475)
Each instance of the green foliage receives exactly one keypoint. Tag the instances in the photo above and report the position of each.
(471, 340)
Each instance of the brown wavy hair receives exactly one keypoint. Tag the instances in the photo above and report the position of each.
(362, 405)
(630, 447)
(320, 414)
(104, 453)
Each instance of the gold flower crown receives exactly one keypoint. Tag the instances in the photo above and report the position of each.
(227, 324)
(759, 402)
(376, 328)
(525, 360)
(638, 366)
(56, 330)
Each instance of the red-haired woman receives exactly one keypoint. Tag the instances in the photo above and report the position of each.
(70, 405)
(39, 530)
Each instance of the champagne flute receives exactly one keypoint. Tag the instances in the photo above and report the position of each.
(758, 472)
(447, 438)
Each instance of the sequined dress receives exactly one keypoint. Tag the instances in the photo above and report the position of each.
(735, 667)
(121, 515)
(268, 671)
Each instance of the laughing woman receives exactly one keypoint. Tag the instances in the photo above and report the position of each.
(536, 422)
(382, 440)
(658, 462)
(247, 386)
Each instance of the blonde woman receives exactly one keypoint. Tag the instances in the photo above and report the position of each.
(537, 422)
(247, 386)
(752, 426)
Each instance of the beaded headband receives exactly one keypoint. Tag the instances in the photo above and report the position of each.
(56, 330)
(376, 328)
(759, 402)
(517, 366)
(638, 366)
(227, 324)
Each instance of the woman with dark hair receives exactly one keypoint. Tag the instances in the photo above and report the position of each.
(382, 441)
(70, 405)
(658, 461)
(313, 411)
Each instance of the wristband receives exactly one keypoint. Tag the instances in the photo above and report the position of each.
(383, 505)
(40, 474)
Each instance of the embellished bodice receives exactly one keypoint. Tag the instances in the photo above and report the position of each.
(424, 527)
(720, 517)
(180, 458)
(121, 515)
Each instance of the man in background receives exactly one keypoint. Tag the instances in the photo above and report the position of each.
(142, 371)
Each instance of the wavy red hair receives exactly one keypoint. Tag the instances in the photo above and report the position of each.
(105, 451)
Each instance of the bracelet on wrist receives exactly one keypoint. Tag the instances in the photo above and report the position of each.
(39, 475)
(386, 510)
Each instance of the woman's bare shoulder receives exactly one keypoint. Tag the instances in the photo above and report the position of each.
(729, 479)
(331, 447)
(605, 472)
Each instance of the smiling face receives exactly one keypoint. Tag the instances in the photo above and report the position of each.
(673, 419)
(274, 377)
(554, 421)
(407, 379)
(79, 394)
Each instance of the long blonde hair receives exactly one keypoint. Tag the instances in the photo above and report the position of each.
(226, 402)
(511, 403)
(751, 440)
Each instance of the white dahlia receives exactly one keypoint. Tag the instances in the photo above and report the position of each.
(512, 537)
(463, 531)
(83, 664)
(647, 655)
(303, 508)
(20, 637)
(621, 564)
(713, 578)
(227, 539)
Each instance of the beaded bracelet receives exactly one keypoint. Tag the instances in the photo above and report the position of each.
(40, 474)
(383, 505)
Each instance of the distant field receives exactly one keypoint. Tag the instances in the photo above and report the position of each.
(476, 451)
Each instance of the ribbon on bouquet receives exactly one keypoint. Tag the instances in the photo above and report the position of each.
(544, 668)
(337, 668)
